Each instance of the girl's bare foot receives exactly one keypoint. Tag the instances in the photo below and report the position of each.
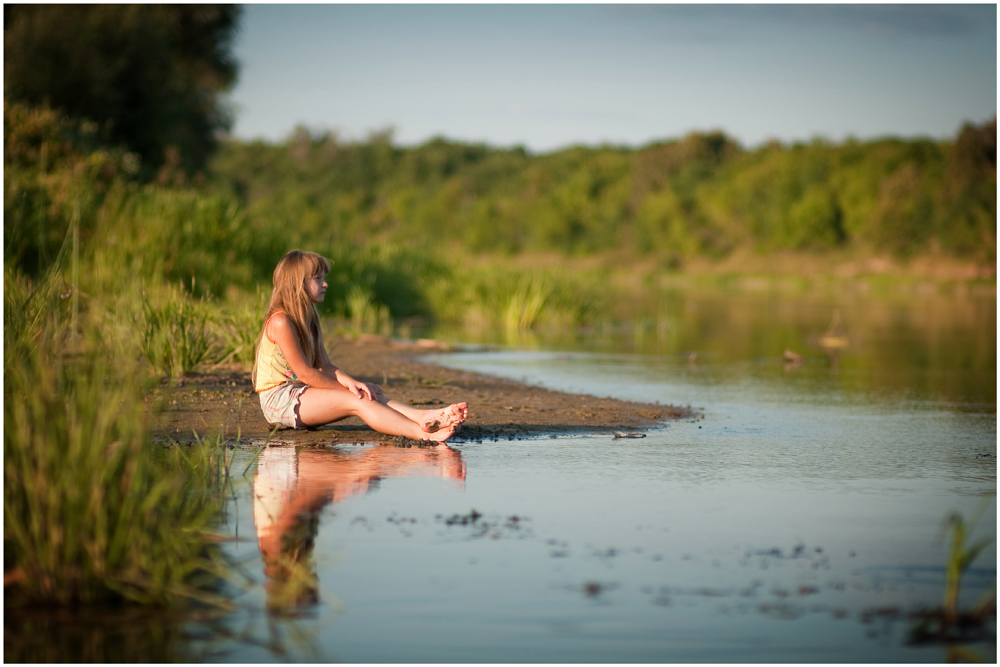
(441, 434)
(453, 415)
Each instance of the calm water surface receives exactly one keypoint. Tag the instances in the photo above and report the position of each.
(798, 520)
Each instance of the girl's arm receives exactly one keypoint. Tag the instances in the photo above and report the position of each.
(372, 390)
(283, 332)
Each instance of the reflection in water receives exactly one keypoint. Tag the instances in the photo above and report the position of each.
(939, 347)
(293, 486)
(99, 635)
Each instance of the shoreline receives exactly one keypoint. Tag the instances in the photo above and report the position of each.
(222, 402)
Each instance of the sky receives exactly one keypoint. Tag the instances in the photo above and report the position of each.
(549, 76)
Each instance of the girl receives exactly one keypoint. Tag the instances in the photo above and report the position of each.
(298, 385)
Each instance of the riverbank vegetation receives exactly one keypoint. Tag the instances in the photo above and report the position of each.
(463, 233)
(92, 513)
(113, 281)
(702, 195)
(133, 255)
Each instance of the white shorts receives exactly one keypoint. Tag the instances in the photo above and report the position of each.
(281, 404)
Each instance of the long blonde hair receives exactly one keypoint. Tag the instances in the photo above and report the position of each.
(290, 296)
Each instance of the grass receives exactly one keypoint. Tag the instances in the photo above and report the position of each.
(96, 513)
(950, 624)
(93, 512)
(366, 314)
(174, 332)
(236, 326)
(525, 305)
(961, 555)
(489, 294)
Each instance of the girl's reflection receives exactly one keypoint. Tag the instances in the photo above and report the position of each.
(292, 487)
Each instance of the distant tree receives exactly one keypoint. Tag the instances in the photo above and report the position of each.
(975, 149)
(970, 193)
(149, 76)
(700, 195)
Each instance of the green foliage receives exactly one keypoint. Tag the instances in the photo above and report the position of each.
(969, 196)
(314, 187)
(951, 625)
(525, 304)
(174, 332)
(669, 217)
(54, 172)
(367, 315)
(699, 195)
(92, 512)
(389, 274)
(409, 229)
(961, 555)
(236, 327)
(494, 295)
(56, 177)
(34, 315)
(148, 76)
(202, 240)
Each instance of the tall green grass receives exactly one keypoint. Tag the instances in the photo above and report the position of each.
(93, 512)
(236, 325)
(483, 295)
(951, 625)
(962, 553)
(174, 332)
(525, 304)
(366, 314)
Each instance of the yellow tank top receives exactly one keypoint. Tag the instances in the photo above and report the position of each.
(272, 369)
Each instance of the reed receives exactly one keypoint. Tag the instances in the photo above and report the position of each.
(30, 315)
(93, 512)
(525, 304)
(951, 625)
(173, 330)
(962, 553)
(367, 315)
(235, 327)
(514, 299)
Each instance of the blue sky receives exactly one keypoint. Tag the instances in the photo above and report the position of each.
(548, 76)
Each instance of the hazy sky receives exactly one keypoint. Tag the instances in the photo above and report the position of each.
(547, 76)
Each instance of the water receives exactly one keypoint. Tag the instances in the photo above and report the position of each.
(800, 520)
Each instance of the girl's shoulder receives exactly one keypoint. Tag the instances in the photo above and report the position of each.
(277, 323)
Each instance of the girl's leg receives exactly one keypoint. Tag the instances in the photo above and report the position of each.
(322, 406)
(431, 420)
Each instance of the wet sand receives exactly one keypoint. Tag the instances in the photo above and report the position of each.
(222, 400)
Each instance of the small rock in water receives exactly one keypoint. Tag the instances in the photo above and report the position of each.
(623, 434)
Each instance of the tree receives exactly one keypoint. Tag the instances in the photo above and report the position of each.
(149, 76)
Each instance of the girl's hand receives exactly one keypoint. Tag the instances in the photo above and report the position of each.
(374, 389)
(359, 389)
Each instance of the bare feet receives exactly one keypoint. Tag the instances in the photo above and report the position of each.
(451, 416)
(441, 434)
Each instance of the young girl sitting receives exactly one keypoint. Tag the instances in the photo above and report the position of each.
(298, 385)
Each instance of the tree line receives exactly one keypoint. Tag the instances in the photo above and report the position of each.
(702, 194)
(103, 97)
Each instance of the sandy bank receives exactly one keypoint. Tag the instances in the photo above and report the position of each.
(223, 400)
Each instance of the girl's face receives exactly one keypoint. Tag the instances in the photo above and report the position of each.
(316, 288)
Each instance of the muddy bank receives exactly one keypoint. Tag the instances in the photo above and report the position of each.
(223, 400)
